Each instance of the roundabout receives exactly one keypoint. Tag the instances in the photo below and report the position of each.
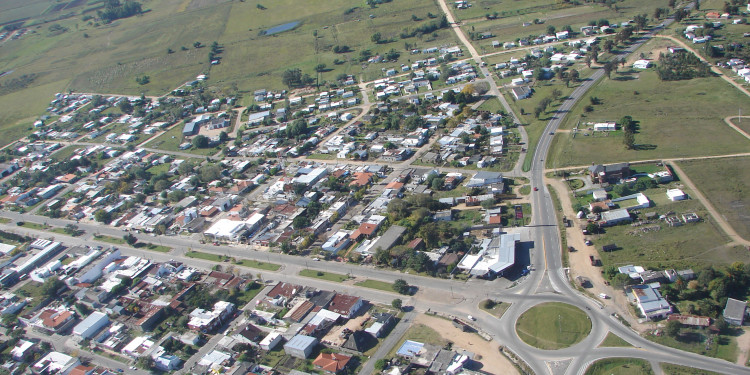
(553, 325)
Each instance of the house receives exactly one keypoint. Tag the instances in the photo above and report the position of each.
(521, 92)
(331, 363)
(22, 349)
(55, 363)
(734, 311)
(345, 305)
(484, 178)
(359, 341)
(383, 322)
(300, 346)
(337, 242)
(599, 195)
(615, 217)
(642, 64)
(7, 168)
(609, 173)
(649, 301)
(271, 341)
(207, 321)
(676, 195)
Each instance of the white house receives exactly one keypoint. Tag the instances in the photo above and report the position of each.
(642, 64)
(676, 195)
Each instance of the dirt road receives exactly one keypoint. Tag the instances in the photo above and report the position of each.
(492, 361)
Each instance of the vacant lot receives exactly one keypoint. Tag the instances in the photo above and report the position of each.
(617, 366)
(694, 340)
(659, 245)
(667, 128)
(724, 182)
(672, 369)
(553, 325)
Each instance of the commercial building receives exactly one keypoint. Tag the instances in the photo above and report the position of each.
(91, 325)
(300, 346)
(650, 302)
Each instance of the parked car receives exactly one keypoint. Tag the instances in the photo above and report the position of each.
(588, 243)
(471, 318)
(603, 296)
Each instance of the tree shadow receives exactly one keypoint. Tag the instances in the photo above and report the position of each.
(644, 147)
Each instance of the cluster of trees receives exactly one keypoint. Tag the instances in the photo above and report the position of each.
(307, 217)
(294, 78)
(427, 28)
(402, 287)
(114, 9)
(708, 293)
(628, 127)
(215, 51)
(341, 49)
(143, 80)
(681, 66)
(27, 178)
(460, 98)
(16, 84)
(733, 7)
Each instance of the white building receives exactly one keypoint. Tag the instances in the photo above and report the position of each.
(91, 325)
(676, 195)
(56, 363)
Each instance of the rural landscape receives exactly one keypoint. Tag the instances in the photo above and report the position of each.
(374, 187)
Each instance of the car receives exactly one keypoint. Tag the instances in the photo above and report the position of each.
(316, 259)
(551, 133)
(603, 296)
(588, 243)
(216, 244)
(536, 189)
(120, 370)
(471, 318)
(524, 272)
(132, 368)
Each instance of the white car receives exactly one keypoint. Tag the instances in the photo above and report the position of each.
(471, 318)
(603, 296)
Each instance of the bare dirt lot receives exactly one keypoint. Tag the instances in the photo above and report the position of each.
(487, 353)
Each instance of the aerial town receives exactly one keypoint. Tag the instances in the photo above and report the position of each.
(469, 187)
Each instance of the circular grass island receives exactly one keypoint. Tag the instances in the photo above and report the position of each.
(553, 325)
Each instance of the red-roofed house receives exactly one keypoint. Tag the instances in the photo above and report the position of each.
(331, 363)
(361, 179)
(416, 244)
(284, 290)
(81, 370)
(366, 230)
(395, 185)
(345, 305)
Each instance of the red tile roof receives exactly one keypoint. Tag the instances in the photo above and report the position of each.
(332, 362)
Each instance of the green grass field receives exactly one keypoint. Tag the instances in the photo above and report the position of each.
(376, 284)
(329, 276)
(620, 366)
(724, 183)
(613, 340)
(204, 256)
(259, 265)
(152, 247)
(690, 245)
(553, 325)
(694, 340)
(672, 369)
(667, 127)
(497, 310)
(109, 239)
(420, 333)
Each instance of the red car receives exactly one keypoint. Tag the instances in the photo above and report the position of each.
(536, 189)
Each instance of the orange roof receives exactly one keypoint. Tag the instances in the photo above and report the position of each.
(67, 178)
(496, 219)
(368, 229)
(80, 370)
(53, 319)
(361, 179)
(331, 362)
(395, 185)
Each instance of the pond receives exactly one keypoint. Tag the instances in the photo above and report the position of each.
(281, 28)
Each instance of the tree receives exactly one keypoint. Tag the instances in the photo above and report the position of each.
(672, 329)
(672, 3)
(292, 77)
(556, 93)
(145, 362)
(592, 228)
(223, 136)
(628, 140)
(102, 216)
(397, 303)
(721, 324)
(376, 38)
(130, 239)
(401, 286)
(320, 68)
(197, 45)
(200, 141)
(380, 364)
(51, 286)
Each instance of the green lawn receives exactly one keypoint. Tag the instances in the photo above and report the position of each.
(724, 183)
(321, 156)
(420, 333)
(613, 340)
(35, 226)
(620, 366)
(492, 105)
(553, 325)
(376, 284)
(113, 240)
(672, 369)
(497, 310)
(205, 256)
(525, 190)
(667, 128)
(259, 265)
(4, 220)
(152, 247)
(694, 340)
(330, 276)
(170, 140)
(65, 153)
